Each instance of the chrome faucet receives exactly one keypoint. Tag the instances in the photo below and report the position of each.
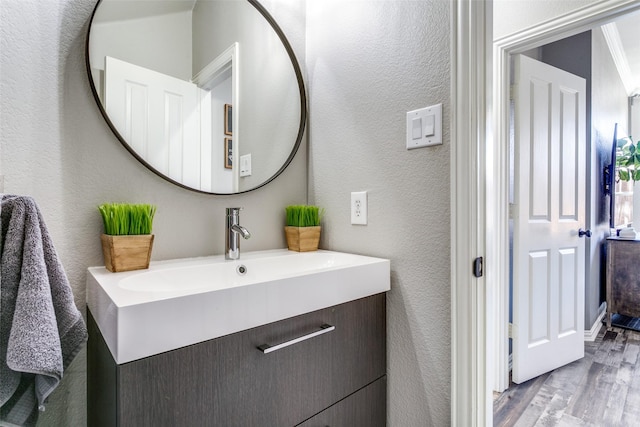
(233, 232)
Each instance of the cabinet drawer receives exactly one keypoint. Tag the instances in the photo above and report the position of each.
(365, 408)
(229, 381)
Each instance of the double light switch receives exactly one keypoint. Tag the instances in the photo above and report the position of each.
(424, 127)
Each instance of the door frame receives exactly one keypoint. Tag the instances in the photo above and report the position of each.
(479, 200)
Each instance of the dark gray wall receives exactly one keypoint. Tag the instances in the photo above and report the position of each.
(609, 106)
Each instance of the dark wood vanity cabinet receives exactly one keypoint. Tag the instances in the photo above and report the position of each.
(623, 277)
(361, 409)
(336, 379)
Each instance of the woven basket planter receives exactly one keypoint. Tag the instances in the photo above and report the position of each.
(126, 253)
(303, 239)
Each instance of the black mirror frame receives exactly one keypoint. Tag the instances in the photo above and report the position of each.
(301, 87)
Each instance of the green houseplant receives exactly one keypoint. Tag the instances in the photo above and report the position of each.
(127, 240)
(303, 227)
(628, 160)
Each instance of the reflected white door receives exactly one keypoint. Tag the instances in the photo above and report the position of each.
(158, 115)
(549, 210)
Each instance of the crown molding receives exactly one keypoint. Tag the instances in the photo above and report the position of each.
(612, 36)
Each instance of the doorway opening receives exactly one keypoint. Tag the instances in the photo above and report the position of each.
(218, 89)
(480, 71)
(567, 26)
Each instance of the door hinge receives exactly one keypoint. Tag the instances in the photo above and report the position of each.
(477, 267)
(512, 210)
(512, 92)
(510, 330)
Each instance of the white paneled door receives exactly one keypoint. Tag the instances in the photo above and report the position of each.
(158, 115)
(548, 213)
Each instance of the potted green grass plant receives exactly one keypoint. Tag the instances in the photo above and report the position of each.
(127, 240)
(303, 227)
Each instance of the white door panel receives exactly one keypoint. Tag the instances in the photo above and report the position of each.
(158, 115)
(549, 263)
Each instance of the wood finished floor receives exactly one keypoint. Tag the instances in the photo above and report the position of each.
(602, 389)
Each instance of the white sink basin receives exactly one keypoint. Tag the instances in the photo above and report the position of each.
(182, 302)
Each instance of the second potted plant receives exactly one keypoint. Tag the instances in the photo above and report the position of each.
(303, 227)
(127, 240)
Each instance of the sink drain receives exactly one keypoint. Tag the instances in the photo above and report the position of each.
(241, 269)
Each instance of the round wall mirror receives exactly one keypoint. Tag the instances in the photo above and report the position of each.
(207, 94)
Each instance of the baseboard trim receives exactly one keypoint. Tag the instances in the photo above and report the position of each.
(592, 333)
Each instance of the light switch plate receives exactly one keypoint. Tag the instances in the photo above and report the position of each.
(245, 165)
(430, 127)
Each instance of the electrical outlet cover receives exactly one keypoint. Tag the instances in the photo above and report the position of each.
(359, 208)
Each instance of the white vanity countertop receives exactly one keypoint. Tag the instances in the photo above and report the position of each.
(182, 302)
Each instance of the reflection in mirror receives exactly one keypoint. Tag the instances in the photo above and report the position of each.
(206, 93)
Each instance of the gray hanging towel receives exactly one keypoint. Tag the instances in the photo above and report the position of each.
(41, 330)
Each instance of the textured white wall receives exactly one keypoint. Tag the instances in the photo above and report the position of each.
(57, 148)
(511, 16)
(368, 63)
(153, 47)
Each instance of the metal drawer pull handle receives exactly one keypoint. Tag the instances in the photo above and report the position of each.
(266, 348)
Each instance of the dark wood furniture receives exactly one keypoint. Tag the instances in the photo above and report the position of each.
(623, 277)
(337, 378)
